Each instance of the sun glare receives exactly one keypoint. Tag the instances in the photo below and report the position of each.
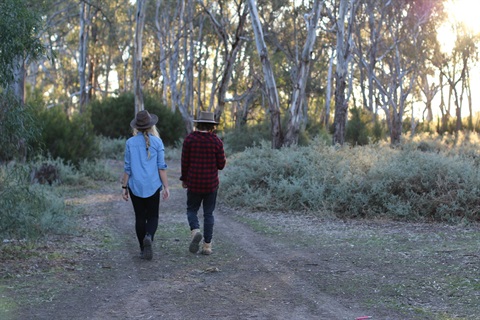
(466, 12)
(463, 12)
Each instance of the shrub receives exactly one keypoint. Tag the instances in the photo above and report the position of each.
(238, 139)
(29, 210)
(369, 181)
(72, 140)
(111, 118)
(356, 131)
(17, 130)
(111, 148)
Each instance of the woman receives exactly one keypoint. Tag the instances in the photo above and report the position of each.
(144, 177)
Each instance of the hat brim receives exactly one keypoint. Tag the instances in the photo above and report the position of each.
(205, 121)
(153, 121)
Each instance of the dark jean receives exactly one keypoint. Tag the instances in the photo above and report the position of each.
(194, 201)
(146, 215)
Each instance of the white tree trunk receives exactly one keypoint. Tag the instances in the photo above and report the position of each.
(137, 57)
(341, 71)
(82, 52)
(298, 95)
(270, 85)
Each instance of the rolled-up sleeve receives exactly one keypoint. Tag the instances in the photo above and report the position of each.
(161, 165)
(127, 165)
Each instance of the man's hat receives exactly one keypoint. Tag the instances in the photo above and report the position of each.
(206, 117)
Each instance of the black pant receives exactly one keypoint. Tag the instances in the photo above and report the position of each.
(146, 215)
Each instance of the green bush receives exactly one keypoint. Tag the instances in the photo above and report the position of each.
(71, 139)
(17, 128)
(356, 131)
(238, 139)
(29, 210)
(370, 181)
(111, 118)
(111, 148)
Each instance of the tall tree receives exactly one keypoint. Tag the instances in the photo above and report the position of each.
(269, 78)
(18, 42)
(83, 52)
(231, 46)
(138, 54)
(302, 75)
(343, 50)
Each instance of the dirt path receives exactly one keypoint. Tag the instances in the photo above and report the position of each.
(249, 276)
(263, 267)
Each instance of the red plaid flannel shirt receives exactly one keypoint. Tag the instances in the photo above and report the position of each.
(202, 157)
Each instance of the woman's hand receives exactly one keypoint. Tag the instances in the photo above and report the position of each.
(125, 194)
(166, 193)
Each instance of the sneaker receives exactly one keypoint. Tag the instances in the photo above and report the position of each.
(196, 238)
(147, 247)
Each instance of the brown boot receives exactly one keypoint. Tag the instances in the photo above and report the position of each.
(195, 243)
(207, 249)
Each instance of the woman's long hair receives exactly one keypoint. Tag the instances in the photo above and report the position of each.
(146, 132)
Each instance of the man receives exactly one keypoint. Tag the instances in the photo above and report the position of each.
(202, 156)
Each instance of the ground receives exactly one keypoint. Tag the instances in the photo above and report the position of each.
(264, 266)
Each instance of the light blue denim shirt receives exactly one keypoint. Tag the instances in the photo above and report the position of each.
(144, 179)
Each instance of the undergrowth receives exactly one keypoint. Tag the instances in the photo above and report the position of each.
(428, 179)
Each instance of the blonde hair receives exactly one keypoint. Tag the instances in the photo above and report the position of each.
(153, 131)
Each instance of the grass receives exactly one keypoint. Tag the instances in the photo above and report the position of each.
(429, 270)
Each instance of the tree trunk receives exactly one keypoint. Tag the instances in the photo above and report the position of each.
(82, 52)
(341, 109)
(328, 99)
(298, 95)
(343, 53)
(395, 129)
(270, 85)
(19, 74)
(137, 58)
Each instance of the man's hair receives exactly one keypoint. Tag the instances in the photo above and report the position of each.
(205, 126)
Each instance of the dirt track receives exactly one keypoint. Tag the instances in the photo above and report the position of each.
(255, 272)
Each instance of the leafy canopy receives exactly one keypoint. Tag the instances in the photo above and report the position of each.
(19, 25)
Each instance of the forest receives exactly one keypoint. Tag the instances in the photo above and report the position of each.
(351, 189)
(295, 74)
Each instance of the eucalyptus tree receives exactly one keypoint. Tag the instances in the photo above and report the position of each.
(392, 58)
(138, 54)
(302, 73)
(346, 16)
(454, 68)
(231, 44)
(85, 20)
(19, 41)
(269, 78)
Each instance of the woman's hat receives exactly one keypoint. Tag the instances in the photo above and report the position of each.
(144, 120)
(206, 117)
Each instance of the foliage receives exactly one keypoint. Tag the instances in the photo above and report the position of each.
(111, 118)
(240, 138)
(357, 133)
(17, 127)
(97, 170)
(29, 210)
(71, 139)
(365, 181)
(111, 148)
(18, 24)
